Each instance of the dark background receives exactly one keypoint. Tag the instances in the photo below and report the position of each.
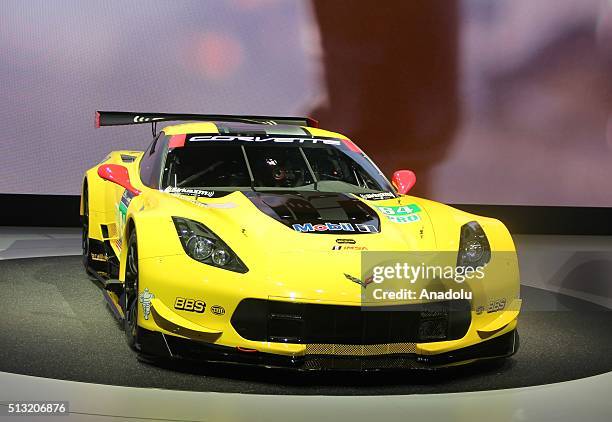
(491, 103)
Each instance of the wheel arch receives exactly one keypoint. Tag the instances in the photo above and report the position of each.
(130, 227)
(84, 191)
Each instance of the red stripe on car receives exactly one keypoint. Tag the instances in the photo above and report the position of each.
(351, 145)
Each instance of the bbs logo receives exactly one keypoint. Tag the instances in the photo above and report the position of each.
(190, 305)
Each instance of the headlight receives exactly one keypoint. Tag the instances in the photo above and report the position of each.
(474, 248)
(201, 244)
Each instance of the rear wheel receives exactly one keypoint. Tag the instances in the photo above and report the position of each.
(85, 245)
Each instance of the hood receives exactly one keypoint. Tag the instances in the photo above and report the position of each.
(301, 244)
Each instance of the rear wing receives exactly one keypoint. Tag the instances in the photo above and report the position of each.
(118, 118)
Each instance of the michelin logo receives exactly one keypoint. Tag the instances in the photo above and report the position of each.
(145, 299)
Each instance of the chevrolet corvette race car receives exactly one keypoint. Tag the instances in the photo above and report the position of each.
(243, 239)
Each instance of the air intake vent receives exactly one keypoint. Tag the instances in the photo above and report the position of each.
(109, 231)
(321, 324)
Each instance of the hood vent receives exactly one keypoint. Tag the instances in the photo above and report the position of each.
(317, 212)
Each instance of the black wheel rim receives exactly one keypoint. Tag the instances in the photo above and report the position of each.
(85, 235)
(131, 289)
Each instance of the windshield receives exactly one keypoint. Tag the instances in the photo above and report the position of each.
(265, 167)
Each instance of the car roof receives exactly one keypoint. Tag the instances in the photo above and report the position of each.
(229, 128)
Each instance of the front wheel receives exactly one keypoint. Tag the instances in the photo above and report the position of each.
(135, 301)
(130, 306)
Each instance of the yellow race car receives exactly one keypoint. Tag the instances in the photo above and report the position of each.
(268, 241)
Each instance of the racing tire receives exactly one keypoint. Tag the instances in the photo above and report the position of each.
(130, 301)
(85, 241)
(130, 305)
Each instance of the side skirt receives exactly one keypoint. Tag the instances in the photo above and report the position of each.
(105, 267)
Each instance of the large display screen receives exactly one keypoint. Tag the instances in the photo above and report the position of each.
(490, 102)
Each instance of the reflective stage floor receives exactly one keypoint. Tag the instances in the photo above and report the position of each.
(56, 324)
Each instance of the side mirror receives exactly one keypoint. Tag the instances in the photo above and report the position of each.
(117, 174)
(403, 181)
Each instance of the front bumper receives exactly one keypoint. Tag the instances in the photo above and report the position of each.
(158, 345)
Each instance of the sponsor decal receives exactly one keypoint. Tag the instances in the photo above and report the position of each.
(346, 241)
(363, 283)
(276, 139)
(122, 208)
(217, 310)
(99, 257)
(335, 227)
(189, 192)
(322, 227)
(190, 305)
(496, 305)
(378, 196)
(402, 213)
(366, 228)
(221, 206)
(145, 300)
(124, 203)
(198, 193)
(142, 119)
(349, 248)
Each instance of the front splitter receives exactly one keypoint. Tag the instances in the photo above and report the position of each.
(156, 346)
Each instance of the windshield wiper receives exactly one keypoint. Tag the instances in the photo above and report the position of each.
(312, 174)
